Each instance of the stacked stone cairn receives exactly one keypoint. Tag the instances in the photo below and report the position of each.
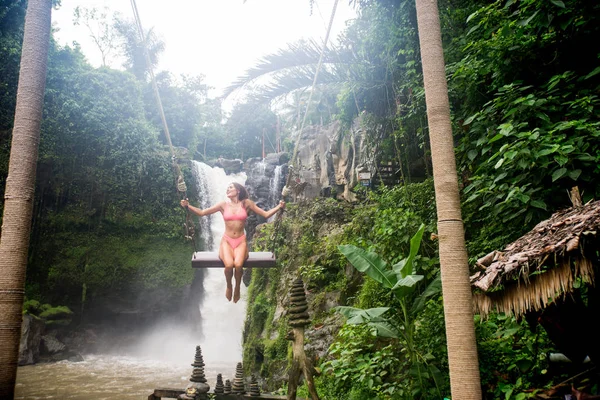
(254, 389)
(298, 307)
(227, 389)
(238, 382)
(219, 388)
(198, 389)
(198, 372)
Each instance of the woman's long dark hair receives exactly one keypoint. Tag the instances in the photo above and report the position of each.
(242, 192)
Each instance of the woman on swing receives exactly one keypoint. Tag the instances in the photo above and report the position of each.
(233, 250)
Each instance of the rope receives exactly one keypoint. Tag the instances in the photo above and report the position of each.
(312, 89)
(181, 187)
(286, 189)
(189, 230)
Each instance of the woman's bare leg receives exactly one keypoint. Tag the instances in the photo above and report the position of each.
(240, 254)
(226, 255)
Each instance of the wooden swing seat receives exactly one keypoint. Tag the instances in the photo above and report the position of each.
(256, 259)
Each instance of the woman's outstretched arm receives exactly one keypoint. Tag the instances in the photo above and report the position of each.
(200, 212)
(266, 214)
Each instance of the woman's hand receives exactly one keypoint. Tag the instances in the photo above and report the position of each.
(184, 203)
(281, 204)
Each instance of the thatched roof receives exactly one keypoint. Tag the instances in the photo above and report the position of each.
(541, 265)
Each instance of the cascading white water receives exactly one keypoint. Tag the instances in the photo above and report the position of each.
(220, 333)
(222, 321)
(161, 357)
(274, 186)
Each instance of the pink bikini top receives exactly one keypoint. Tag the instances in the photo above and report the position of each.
(240, 215)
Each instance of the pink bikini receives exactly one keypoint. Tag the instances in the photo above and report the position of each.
(240, 215)
(234, 242)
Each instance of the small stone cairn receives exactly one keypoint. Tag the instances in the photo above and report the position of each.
(227, 389)
(298, 319)
(254, 389)
(238, 382)
(298, 307)
(198, 389)
(219, 388)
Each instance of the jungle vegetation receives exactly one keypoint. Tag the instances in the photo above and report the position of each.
(523, 78)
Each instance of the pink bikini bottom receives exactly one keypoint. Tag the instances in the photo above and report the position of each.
(234, 242)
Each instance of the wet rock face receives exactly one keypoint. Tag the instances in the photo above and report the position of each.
(265, 181)
(329, 160)
(51, 345)
(266, 178)
(38, 344)
(31, 337)
(230, 166)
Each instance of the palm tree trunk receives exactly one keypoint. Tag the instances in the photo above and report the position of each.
(456, 289)
(20, 187)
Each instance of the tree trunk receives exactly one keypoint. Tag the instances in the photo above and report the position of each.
(300, 365)
(456, 289)
(20, 187)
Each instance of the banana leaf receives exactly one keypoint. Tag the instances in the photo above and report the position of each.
(369, 263)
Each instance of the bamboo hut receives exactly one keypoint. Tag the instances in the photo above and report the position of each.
(548, 277)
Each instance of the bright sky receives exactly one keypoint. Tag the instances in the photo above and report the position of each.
(217, 38)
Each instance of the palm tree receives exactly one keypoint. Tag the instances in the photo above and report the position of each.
(20, 184)
(456, 289)
(133, 49)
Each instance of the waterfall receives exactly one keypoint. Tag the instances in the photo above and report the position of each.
(222, 321)
(275, 186)
(212, 322)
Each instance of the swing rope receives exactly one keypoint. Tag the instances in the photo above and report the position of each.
(312, 89)
(293, 165)
(190, 233)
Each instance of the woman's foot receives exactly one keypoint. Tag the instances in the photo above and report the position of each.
(236, 294)
(228, 293)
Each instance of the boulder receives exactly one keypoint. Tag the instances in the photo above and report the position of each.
(230, 166)
(51, 345)
(32, 329)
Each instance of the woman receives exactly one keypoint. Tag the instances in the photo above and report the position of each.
(233, 250)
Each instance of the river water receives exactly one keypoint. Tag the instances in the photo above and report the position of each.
(109, 377)
(163, 355)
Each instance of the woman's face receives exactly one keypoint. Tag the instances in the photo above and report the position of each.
(232, 191)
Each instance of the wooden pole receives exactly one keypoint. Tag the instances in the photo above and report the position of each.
(20, 187)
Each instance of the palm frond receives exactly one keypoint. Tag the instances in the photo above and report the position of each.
(295, 65)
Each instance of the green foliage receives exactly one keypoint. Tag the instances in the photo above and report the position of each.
(59, 315)
(527, 134)
(532, 152)
(56, 313)
(113, 265)
(106, 219)
(186, 111)
(133, 49)
(515, 357)
(31, 307)
(362, 365)
(384, 223)
(245, 129)
(400, 280)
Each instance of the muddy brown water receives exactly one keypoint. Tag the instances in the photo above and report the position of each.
(107, 377)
